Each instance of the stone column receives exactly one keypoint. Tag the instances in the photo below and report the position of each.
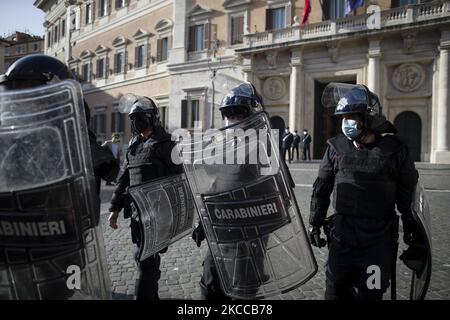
(441, 152)
(296, 90)
(442, 114)
(373, 67)
(178, 53)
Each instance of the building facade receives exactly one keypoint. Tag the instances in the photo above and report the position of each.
(19, 45)
(187, 53)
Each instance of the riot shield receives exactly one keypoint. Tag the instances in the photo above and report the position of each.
(419, 258)
(248, 210)
(51, 246)
(166, 212)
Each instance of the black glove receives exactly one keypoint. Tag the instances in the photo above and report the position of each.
(198, 235)
(412, 233)
(314, 237)
(415, 258)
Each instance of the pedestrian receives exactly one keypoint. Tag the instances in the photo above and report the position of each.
(295, 145)
(370, 171)
(306, 142)
(242, 102)
(115, 146)
(287, 143)
(148, 157)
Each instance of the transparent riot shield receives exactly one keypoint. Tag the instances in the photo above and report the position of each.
(51, 246)
(248, 210)
(420, 262)
(166, 212)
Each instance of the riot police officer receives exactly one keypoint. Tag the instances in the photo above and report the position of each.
(69, 199)
(148, 157)
(235, 107)
(370, 171)
(37, 70)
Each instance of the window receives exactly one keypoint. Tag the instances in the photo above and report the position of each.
(55, 38)
(163, 49)
(20, 48)
(190, 113)
(117, 122)
(121, 3)
(35, 47)
(237, 29)
(399, 3)
(119, 62)
(163, 116)
(85, 73)
(49, 39)
(101, 68)
(197, 38)
(88, 14)
(7, 51)
(103, 8)
(63, 28)
(99, 123)
(276, 18)
(140, 57)
(194, 112)
(74, 72)
(337, 9)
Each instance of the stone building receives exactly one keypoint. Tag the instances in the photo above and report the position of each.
(179, 50)
(20, 44)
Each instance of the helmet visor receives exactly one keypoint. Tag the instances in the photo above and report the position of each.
(335, 92)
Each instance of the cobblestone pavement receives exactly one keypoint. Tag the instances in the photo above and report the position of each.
(181, 265)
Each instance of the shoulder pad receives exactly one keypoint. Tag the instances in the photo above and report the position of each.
(392, 142)
(340, 143)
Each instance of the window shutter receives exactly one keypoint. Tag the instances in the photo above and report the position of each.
(136, 57)
(184, 113)
(240, 29)
(106, 67)
(149, 54)
(115, 62)
(92, 12)
(269, 19)
(125, 62)
(169, 42)
(326, 10)
(159, 50)
(191, 38)
(208, 34)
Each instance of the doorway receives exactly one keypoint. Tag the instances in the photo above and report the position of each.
(409, 127)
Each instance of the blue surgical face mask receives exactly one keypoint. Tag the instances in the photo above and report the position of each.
(350, 129)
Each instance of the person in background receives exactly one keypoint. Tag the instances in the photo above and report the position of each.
(287, 143)
(115, 147)
(295, 145)
(306, 141)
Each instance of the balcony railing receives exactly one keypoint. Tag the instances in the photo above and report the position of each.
(393, 17)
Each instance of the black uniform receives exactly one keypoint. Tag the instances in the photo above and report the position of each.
(145, 160)
(306, 142)
(286, 145)
(295, 144)
(367, 184)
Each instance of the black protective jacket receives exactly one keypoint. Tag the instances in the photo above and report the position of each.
(145, 160)
(367, 186)
(106, 167)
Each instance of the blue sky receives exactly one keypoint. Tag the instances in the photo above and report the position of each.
(20, 15)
